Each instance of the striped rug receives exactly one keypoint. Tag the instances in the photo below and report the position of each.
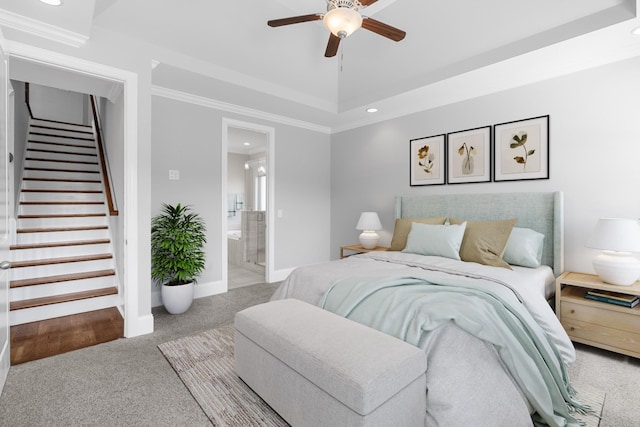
(204, 363)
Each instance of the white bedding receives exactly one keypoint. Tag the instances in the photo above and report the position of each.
(462, 378)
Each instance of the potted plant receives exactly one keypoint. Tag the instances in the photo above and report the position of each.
(178, 236)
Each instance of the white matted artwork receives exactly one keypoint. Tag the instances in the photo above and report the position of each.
(427, 160)
(469, 156)
(522, 149)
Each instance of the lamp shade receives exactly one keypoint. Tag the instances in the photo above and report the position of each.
(369, 221)
(616, 234)
(618, 238)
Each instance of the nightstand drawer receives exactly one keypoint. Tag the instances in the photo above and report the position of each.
(609, 315)
(590, 333)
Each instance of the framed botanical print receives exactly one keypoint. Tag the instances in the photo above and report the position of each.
(427, 160)
(521, 149)
(469, 156)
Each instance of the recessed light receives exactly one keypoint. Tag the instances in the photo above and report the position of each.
(372, 110)
(52, 2)
(636, 31)
(246, 143)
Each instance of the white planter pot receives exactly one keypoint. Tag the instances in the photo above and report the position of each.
(177, 299)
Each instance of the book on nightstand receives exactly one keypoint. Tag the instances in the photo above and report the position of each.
(613, 298)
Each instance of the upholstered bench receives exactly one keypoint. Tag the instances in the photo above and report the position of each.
(316, 368)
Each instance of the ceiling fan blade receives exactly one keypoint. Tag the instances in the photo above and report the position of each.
(294, 20)
(332, 46)
(367, 2)
(383, 29)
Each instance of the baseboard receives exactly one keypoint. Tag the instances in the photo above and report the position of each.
(143, 326)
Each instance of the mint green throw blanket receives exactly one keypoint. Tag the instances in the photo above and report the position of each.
(410, 307)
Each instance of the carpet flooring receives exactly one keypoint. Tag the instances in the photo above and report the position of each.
(128, 382)
(204, 363)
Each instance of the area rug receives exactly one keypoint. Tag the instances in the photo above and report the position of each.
(204, 363)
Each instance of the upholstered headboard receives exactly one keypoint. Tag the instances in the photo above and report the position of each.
(542, 212)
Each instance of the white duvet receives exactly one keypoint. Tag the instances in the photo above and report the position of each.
(466, 381)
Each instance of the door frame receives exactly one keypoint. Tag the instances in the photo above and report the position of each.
(270, 220)
(134, 322)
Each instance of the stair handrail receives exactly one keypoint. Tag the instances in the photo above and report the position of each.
(26, 99)
(104, 162)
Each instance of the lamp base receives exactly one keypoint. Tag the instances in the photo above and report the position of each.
(617, 268)
(369, 239)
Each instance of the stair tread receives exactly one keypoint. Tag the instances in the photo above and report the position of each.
(59, 229)
(59, 170)
(92, 181)
(69, 202)
(60, 260)
(60, 278)
(46, 190)
(75, 162)
(46, 216)
(62, 122)
(60, 244)
(57, 299)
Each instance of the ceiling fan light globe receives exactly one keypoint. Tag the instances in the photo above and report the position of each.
(342, 22)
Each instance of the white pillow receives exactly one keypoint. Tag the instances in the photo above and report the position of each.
(524, 248)
(436, 240)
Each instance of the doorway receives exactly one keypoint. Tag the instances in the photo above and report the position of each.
(247, 203)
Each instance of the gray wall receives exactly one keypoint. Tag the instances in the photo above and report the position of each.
(21, 125)
(594, 147)
(187, 137)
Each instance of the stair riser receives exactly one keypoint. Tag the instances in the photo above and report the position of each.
(58, 185)
(61, 197)
(25, 238)
(77, 176)
(74, 167)
(73, 133)
(37, 144)
(71, 138)
(61, 222)
(57, 125)
(59, 269)
(67, 157)
(61, 288)
(61, 251)
(60, 209)
(18, 317)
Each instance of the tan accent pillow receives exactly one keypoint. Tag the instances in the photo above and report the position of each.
(484, 241)
(403, 227)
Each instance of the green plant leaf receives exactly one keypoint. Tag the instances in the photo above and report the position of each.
(530, 152)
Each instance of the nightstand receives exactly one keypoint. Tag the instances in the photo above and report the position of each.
(358, 249)
(600, 324)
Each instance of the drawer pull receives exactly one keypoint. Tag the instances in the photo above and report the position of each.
(572, 328)
(572, 311)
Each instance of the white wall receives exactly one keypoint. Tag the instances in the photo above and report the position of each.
(594, 147)
(55, 104)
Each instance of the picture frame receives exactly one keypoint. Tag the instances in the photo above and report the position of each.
(469, 156)
(521, 149)
(427, 160)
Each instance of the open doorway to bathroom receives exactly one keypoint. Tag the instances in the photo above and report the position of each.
(247, 186)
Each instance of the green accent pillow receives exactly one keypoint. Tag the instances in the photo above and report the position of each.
(403, 227)
(524, 248)
(435, 240)
(484, 241)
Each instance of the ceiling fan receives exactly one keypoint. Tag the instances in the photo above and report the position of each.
(342, 18)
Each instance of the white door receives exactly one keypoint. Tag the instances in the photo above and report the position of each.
(4, 222)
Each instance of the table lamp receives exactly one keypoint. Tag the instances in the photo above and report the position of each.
(369, 223)
(617, 238)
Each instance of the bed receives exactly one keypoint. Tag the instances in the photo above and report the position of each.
(470, 381)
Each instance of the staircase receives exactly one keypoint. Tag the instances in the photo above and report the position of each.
(62, 262)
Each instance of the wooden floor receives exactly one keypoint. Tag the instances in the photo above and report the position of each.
(37, 340)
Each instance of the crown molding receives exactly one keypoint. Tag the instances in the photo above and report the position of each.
(41, 29)
(232, 108)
